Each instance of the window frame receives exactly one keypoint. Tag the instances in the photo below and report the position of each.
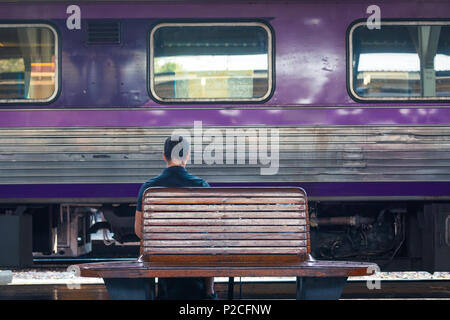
(57, 89)
(270, 53)
(396, 22)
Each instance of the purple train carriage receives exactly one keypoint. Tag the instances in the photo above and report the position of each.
(361, 114)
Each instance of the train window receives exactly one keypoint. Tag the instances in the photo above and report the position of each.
(209, 62)
(28, 63)
(400, 61)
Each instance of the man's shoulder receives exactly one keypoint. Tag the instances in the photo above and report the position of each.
(153, 182)
(185, 179)
(196, 181)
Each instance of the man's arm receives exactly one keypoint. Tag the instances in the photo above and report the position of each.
(139, 209)
(137, 224)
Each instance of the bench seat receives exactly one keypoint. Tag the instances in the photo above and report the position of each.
(310, 268)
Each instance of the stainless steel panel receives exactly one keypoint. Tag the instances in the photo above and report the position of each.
(307, 154)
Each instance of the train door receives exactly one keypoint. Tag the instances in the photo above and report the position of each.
(436, 237)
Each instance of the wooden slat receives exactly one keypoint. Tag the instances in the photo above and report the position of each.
(232, 229)
(224, 222)
(229, 250)
(225, 243)
(166, 194)
(231, 207)
(253, 259)
(225, 192)
(228, 236)
(223, 200)
(225, 215)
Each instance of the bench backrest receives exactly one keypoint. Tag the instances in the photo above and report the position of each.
(225, 224)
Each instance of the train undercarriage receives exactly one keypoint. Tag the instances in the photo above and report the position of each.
(398, 236)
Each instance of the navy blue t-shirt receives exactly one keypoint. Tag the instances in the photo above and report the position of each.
(171, 177)
(176, 288)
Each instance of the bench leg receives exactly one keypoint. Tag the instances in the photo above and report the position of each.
(230, 288)
(320, 288)
(130, 289)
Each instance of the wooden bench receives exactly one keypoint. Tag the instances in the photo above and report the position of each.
(225, 232)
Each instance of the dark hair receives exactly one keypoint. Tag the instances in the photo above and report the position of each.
(170, 143)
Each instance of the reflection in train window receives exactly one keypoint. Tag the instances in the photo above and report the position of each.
(400, 61)
(28, 63)
(211, 62)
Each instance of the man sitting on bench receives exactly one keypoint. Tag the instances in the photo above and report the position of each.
(176, 154)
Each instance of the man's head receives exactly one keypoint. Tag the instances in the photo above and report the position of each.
(176, 151)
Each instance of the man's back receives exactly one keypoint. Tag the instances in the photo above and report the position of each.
(176, 288)
(171, 177)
